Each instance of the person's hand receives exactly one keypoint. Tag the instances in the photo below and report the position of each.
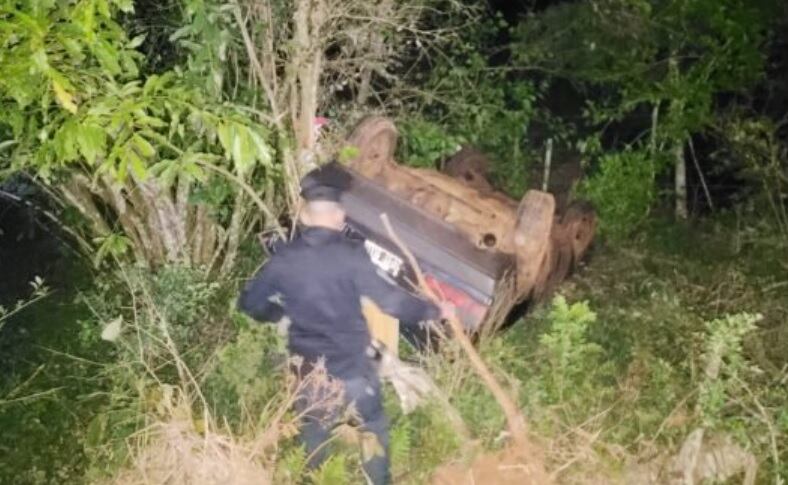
(448, 310)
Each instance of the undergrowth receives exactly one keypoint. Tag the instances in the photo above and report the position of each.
(657, 337)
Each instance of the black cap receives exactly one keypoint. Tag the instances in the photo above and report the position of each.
(325, 183)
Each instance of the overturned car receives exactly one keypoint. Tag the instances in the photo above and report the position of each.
(477, 248)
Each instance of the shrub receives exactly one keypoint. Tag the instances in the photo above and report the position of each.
(567, 358)
(623, 191)
(425, 144)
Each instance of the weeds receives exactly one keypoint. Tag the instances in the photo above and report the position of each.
(615, 375)
(171, 416)
(40, 290)
(608, 385)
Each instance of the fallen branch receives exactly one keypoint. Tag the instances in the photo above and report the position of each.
(700, 175)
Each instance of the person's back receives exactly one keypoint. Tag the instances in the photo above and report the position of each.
(316, 285)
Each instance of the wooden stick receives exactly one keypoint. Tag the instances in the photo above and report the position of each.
(515, 420)
(700, 174)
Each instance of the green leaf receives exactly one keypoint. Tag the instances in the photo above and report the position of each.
(155, 83)
(151, 121)
(95, 431)
(332, 472)
(348, 153)
(111, 245)
(226, 134)
(65, 142)
(92, 141)
(292, 465)
(40, 60)
(63, 97)
(86, 18)
(107, 56)
(400, 441)
(129, 65)
(242, 150)
(195, 171)
(146, 150)
(103, 8)
(130, 91)
(263, 149)
(175, 124)
(236, 140)
(7, 144)
(180, 33)
(137, 164)
(73, 47)
(167, 170)
(122, 169)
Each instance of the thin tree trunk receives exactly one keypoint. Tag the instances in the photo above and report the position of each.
(161, 204)
(234, 233)
(680, 181)
(131, 223)
(210, 240)
(76, 192)
(195, 236)
(203, 237)
(680, 165)
(182, 215)
(148, 219)
(700, 175)
(654, 128)
(310, 16)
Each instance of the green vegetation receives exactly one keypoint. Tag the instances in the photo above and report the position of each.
(164, 135)
(617, 375)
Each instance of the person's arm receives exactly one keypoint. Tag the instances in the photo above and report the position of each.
(375, 284)
(260, 298)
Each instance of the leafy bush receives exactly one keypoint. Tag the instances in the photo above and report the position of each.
(177, 306)
(247, 375)
(724, 364)
(154, 328)
(431, 440)
(623, 191)
(425, 144)
(130, 153)
(569, 359)
(463, 99)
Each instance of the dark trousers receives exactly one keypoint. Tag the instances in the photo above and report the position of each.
(365, 394)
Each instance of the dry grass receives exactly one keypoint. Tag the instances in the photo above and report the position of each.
(180, 448)
(175, 452)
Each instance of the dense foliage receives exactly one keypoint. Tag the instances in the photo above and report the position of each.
(157, 137)
(153, 164)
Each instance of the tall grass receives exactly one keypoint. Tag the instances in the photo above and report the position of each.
(612, 374)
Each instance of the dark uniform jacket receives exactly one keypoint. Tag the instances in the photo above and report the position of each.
(317, 281)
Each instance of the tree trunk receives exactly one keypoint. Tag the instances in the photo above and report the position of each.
(309, 18)
(680, 181)
(376, 46)
(233, 234)
(680, 166)
(76, 192)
